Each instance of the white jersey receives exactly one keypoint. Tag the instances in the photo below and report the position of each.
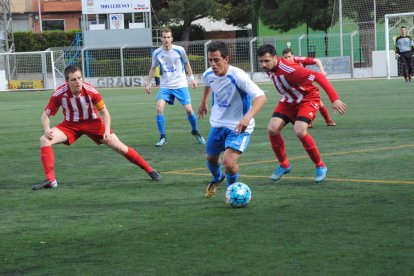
(231, 97)
(172, 68)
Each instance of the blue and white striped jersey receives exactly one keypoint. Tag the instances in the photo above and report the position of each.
(171, 66)
(231, 97)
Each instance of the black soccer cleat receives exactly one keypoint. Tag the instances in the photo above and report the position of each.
(156, 176)
(45, 185)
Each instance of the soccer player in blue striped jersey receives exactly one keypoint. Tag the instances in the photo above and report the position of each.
(236, 99)
(173, 62)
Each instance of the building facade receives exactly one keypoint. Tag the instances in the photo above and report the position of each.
(62, 15)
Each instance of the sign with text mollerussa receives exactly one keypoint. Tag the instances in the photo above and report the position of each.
(115, 6)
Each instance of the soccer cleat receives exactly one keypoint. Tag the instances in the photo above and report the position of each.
(320, 174)
(279, 172)
(212, 187)
(330, 123)
(161, 142)
(198, 137)
(45, 185)
(156, 176)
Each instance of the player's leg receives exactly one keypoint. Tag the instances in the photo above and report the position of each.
(410, 66)
(404, 62)
(132, 156)
(183, 96)
(236, 144)
(276, 124)
(160, 119)
(325, 114)
(300, 129)
(214, 147)
(47, 157)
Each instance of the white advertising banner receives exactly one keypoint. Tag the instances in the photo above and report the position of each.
(115, 6)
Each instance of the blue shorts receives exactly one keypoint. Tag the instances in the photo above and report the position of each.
(219, 139)
(168, 95)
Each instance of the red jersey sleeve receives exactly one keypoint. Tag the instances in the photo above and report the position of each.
(305, 61)
(53, 106)
(327, 86)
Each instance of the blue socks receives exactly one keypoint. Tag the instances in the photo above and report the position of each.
(230, 179)
(193, 121)
(161, 124)
(215, 171)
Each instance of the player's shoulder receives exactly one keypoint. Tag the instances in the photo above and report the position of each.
(236, 72)
(208, 73)
(89, 88)
(177, 48)
(288, 67)
(60, 90)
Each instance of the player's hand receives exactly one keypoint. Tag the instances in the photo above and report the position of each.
(148, 89)
(49, 134)
(193, 84)
(242, 125)
(339, 106)
(323, 72)
(202, 110)
(397, 56)
(106, 138)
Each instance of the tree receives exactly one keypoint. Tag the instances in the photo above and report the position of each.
(288, 14)
(181, 12)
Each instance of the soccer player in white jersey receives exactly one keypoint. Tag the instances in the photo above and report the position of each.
(84, 112)
(231, 115)
(173, 62)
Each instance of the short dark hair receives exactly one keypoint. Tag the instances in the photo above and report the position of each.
(266, 49)
(218, 46)
(70, 70)
(287, 51)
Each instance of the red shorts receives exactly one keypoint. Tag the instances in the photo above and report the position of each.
(94, 129)
(291, 112)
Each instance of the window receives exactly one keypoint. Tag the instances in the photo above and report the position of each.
(52, 25)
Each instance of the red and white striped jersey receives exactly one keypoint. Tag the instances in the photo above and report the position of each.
(76, 109)
(304, 61)
(295, 83)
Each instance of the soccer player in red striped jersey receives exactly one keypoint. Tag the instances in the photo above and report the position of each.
(298, 105)
(305, 61)
(84, 112)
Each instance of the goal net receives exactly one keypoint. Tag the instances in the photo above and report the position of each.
(31, 70)
(393, 24)
(367, 18)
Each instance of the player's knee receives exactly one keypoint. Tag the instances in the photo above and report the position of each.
(44, 141)
(272, 130)
(300, 132)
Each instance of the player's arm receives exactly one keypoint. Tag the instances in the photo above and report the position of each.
(337, 104)
(150, 76)
(190, 75)
(106, 118)
(257, 105)
(46, 125)
(318, 63)
(203, 108)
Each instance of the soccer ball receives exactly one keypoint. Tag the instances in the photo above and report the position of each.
(238, 195)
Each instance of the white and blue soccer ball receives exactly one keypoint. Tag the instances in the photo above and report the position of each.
(238, 195)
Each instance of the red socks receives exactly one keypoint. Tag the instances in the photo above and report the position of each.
(48, 160)
(325, 113)
(278, 146)
(135, 158)
(312, 150)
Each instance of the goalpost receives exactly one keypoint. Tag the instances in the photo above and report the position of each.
(393, 23)
(27, 71)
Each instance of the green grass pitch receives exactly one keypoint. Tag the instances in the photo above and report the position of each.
(107, 217)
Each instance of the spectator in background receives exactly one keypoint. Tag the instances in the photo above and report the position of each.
(404, 47)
